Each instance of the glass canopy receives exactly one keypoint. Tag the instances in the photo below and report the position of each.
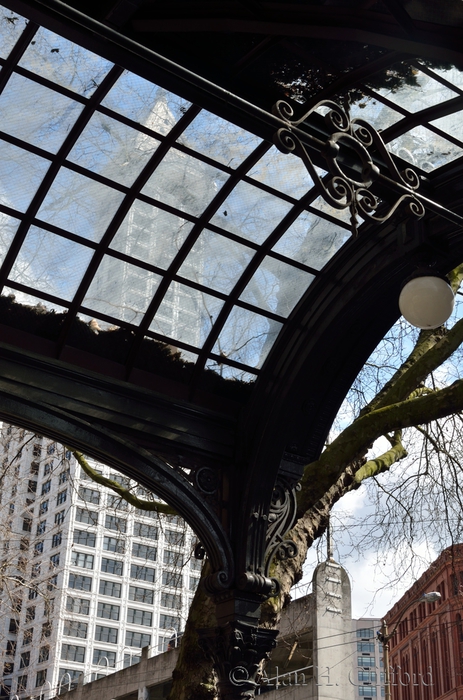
(141, 220)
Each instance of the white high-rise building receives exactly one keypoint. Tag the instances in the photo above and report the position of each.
(87, 580)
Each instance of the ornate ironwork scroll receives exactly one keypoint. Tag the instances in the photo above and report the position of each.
(281, 518)
(341, 190)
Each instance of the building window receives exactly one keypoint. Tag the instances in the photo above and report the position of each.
(38, 548)
(367, 676)
(366, 661)
(141, 595)
(30, 613)
(71, 652)
(169, 621)
(174, 537)
(121, 480)
(51, 449)
(368, 647)
(88, 517)
(54, 561)
(366, 633)
(117, 502)
(32, 486)
(112, 544)
(193, 583)
(142, 530)
(41, 527)
(75, 628)
(367, 691)
(8, 668)
(61, 497)
(196, 564)
(83, 537)
(142, 573)
(10, 647)
(171, 558)
(59, 517)
(104, 657)
(43, 508)
(131, 660)
(68, 678)
(172, 579)
(108, 611)
(52, 583)
(139, 617)
(57, 539)
(46, 486)
(106, 634)
(110, 588)
(27, 524)
(63, 477)
(78, 605)
(25, 659)
(85, 561)
(48, 467)
(13, 626)
(80, 583)
(112, 566)
(35, 571)
(112, 522)
(171, 600)
(44, 654)
(137, 639)
(144, 551)
(46, 630)
(89, 495)
(27, 636)
(33, 593)
(22, 683)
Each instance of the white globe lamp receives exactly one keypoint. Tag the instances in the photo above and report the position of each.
(426, 301)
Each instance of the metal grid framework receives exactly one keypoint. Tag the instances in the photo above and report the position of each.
(123, 203)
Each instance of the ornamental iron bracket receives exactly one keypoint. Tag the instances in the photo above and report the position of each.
(354, 137)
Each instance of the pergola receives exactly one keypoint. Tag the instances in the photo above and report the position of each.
(181, 299)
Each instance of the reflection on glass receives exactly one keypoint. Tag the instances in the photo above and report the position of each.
(247, 337)
(216, 262)
(145, 103)
(50, 264)
(220, 140)
(64, 63)
(427, 93)
(311, 240)
(276, 286)
(36, 114)
(379, 115)
(79, 205)
(250, 213)
(186, 314)
(151, 234)
(121, 290)
(112, 149)
(8, 228)
(184, 182)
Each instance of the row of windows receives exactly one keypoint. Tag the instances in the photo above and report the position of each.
(60, 498)
(113, 544)
(72, 652)
(140, 573)
(76, 628)
(118, 524)
(114, 566)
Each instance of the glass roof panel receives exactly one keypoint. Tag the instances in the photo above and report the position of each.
(451, 124)
(218, 139)
(424, 149)
(230, 372)
(145, 103)
(247, 337)
(186, 315)
(11, 28)
(250, 213)
(79, 205)
(283, 172)
(276, 286)
(36, 114)
(379, 115)
(21, 173)
(216, 262)
(427, 93)
(151, 234)
(8, 227)
(184, 182)
(121, 290)
(64, 63)
(452, 75)
(112, 149)
(311, 240)
(50, 263)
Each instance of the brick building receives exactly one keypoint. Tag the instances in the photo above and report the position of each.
(426, 657)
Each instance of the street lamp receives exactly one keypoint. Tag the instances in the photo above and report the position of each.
(427, 300)
(384, 637)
